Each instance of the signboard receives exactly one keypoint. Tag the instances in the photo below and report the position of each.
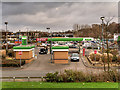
(20, 36)
(95, 52)
(20, 52)
(88, 39)
(16, 41)
(41, 39)
(24, 40)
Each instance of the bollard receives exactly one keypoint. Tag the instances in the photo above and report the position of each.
(42, 79)
(13, 79)
(28, 79)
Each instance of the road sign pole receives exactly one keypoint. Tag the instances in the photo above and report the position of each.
(95, 58)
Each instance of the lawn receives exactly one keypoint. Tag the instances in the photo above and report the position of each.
(58, 85)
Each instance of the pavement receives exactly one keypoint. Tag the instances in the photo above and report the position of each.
(42, 65)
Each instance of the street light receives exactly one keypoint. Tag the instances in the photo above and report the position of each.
(50, 44)
(102, 18)
(6, 23)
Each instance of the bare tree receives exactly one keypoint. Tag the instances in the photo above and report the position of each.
(106, 37)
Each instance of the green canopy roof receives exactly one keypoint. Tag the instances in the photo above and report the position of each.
(24, 47)
(60, 47)
(65, 39)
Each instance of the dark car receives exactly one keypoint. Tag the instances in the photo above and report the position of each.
(72, 46)
(43, 51)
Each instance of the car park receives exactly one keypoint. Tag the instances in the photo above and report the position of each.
(74, 57)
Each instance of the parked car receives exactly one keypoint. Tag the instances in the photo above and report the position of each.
(75, 57)
(87, 45)
(72, 46)
(43, 51)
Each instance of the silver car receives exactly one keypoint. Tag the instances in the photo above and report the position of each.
(75, 57)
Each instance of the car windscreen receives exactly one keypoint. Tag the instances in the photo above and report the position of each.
(74, 55)
(42, 50)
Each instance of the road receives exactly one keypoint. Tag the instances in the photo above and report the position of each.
(42, 65)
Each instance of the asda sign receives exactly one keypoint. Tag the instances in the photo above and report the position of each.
(24, 40)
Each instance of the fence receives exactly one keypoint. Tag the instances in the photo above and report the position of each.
(28, 79)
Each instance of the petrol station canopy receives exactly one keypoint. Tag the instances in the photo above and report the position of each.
(63, 39)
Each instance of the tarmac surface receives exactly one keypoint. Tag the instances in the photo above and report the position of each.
(42, 65)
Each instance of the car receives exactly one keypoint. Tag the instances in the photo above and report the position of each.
(87, 45)
(43, 51)
(72, 46)
(75, 57)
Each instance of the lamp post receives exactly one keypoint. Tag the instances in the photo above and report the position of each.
(6, 23)
(50, 43)
(102, 18)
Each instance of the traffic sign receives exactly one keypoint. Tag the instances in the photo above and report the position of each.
(95, 51)
(20, 52)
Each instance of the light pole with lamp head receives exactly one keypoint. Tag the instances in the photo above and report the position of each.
(50, 43)
(6, 23)
(102, 18)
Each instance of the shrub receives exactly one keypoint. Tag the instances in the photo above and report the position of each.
(3, 56)
(114, 52)
(10, 53)
(114, 58)
(70, 75)
(105, 58)
(59, 78)
(51, 77)
(118, 58)
(92, 56)
(111, 76)
(77, 76)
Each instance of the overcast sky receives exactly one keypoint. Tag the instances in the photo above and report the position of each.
(56, 15)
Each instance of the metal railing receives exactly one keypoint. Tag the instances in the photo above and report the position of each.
(14, 79)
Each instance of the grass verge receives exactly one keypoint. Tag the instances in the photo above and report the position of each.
(59, 85)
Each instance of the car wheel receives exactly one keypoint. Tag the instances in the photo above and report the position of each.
(78, 60)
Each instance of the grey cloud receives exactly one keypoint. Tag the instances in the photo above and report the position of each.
(59, 16)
